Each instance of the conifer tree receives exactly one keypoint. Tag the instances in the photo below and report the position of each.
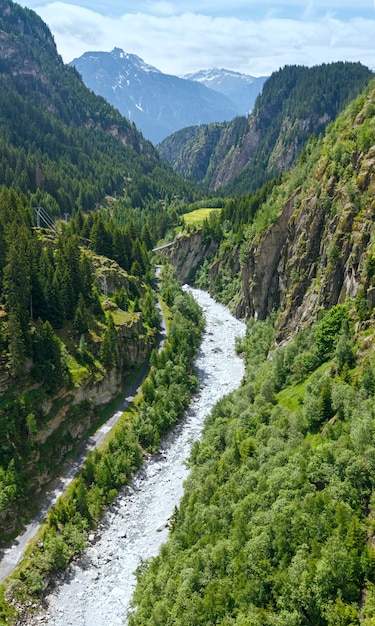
(80, 323)
(47, 355)
(109, 354)
(17, 347)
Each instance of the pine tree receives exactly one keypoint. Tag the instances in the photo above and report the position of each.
(325, 408)
(17, 347)
(47, 355)
(80, 323)
(109, 354)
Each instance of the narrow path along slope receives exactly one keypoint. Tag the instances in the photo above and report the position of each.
(12, 555)
(97, 589)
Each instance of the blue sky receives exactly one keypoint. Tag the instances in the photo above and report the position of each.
(178, 37)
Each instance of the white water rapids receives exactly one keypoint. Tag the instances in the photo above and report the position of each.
(97, 589)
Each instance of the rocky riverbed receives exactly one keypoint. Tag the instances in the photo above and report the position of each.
(97, 589)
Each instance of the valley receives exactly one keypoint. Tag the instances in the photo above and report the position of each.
(237, 485)
(99, 586)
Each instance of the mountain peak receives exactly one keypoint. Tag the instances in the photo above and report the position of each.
(216, 72)
(242, 89)
(159, 104)
(133, 59)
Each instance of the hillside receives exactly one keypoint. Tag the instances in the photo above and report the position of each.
(159, 104)
(77, 307)
(276, 526)
(242, 155)
(277, 523)
(59, 143)
(304, 245)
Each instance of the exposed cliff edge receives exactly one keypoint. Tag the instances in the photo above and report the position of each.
(69, 414)
(312, 258)
(188, 253)
(57, 413)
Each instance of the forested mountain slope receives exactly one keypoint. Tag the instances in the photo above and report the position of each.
(77, 308)
(60, 143)
(241, 155)
(276, 526)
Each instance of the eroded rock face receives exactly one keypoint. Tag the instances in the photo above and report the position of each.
(70, 414)
(261, 291)
(188, 253)
(310, 258)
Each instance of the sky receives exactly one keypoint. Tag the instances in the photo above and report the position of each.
(254, 37)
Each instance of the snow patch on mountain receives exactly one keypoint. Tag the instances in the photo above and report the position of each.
(159, 104)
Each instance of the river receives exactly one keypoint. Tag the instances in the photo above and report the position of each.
(97, 589)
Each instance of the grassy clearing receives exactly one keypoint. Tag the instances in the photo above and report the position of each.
(292, 396)
(196, 218)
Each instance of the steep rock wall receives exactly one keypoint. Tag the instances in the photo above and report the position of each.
(188, 254)
(79, 408)
(68, 415)
(312, 257)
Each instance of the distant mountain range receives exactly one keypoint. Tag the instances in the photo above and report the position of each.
(160, 104)
(241, 89)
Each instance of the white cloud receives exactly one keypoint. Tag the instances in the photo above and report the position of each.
(182, 43)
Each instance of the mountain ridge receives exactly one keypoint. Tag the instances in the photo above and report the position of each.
(60, 142)
(243, 154)
(157, 103)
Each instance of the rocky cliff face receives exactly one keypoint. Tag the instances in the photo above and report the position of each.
(188, 254)
(70, 414)
(260, 293)
(317, 253)
(319, 249)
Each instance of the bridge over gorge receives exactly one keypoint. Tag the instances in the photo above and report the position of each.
(169, 244)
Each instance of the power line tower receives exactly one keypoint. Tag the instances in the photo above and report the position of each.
(41, 214)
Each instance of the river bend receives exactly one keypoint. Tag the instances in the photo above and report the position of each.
(97, 589)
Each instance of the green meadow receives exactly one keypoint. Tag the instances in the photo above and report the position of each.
(197, 217)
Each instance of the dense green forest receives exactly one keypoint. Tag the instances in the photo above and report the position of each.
(276, 525)
(60, 144)
(76, 293)
(164, 395)
(58, 328)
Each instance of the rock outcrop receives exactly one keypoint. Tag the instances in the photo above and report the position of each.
(314, 255)
(188, 253)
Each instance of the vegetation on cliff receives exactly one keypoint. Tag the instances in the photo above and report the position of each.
(77, 310)
(305, 242)
(277, 523)
(59, 333)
